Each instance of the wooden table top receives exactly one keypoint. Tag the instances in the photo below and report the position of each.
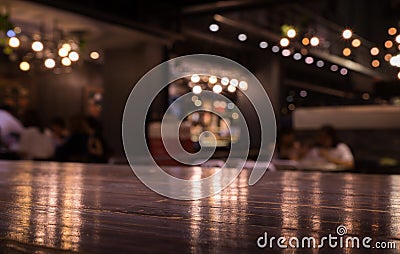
(53, 207)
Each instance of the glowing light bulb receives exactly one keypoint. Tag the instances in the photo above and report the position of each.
(14, 42)
(197, 89)
(346, 52)
(66, 61)
(314, 41)
(63, 52)
(49, 63)
(213, 27)
(24, 66)
(66, 46)
(231, 89)
(374, 51)
(217, 89)
(347, 34)
(37, 46)
(284, 42)
(94, 55)
(212, 80)
(225, 81)
(392, 31)
(243, 85)
(356, 43)
(291, 33)
(242, 37)
(263, 44)
(195, 78)
(73, 56)
(234, 82)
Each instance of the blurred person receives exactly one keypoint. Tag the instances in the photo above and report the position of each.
(35, 143)
(85, 143)
(96, 145)
(288, 147)
(10, 128)
(59, 131)
(329, 149)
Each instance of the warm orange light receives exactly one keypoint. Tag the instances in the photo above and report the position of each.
(346, 52)
(388, 44)
(356, 43)
(305, 41)
(374, 51)
(392, 31)
(388, 57)
(375, 63)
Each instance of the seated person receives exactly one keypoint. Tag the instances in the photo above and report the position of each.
(328, 149)
(288, 148)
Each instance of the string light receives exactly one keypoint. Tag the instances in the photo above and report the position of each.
(197, 89)
(37, 46)
(49, 63)
(388, 44)
(374, 51)
(94, 55)
(346, 52)
(375, 63)
(214, 28)
(314, 41)
(291, 33)
(195, 78)
(347, 34)
(356, 43)
(24, 66)
(14, 42)
(392, 31)
(284, 42)
(305, 41)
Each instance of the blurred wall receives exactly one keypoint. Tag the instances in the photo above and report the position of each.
(122, 69)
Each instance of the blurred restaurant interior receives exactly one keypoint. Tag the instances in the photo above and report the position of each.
(330, 69)
(299, 51)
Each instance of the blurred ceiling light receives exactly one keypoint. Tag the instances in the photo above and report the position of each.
(297, 56)
(74, 56)
(303, 93)
(346, 52)
(320, 63)
(334, 67)
(195, 78)
(314, 41)
(398, 38)
(305, 41)
(374, 51)
(243, 85)
(375, 63)
(309, 60)
(213, 80)
(347, 34)
(388, 57)
(395, 61)
(388, 44)
(231, 89)
(217, 89)
(49, 63)
(94, 55)
(242, 37)
(224, 81)
(66, 61)
(286, 52)
(392, 31)
(284, 42)
(291, 33)
(37, 46)
(197, 89)
(356, 43)
(14, 42)
(263, 44)
(214, 28)
(275, 49)
(17, 30)
(63, 52)
(234, 82)
(365, 96)
(343, 71)
(24, 66)
(67, 46)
